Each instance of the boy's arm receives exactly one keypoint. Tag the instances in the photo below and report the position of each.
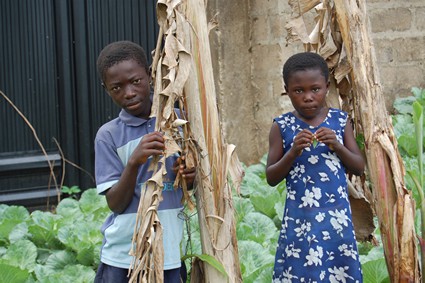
(278, 162)
(120, 194)
(349, 152)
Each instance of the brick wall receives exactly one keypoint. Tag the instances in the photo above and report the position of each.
(250, 47)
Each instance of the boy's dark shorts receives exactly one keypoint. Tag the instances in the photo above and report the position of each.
(110, 274)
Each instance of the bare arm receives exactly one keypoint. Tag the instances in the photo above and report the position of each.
(279, 162)
(120, 195)
(349, 152)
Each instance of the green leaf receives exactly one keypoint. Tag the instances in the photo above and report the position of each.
(403, 125)
(315, 142)
(265, 199)
(375, 271)
(242, 206)
(377, 252)
(404, 105)
(360, 141)
(70, 190)
(19, 232)
(71, 273)
(93, 205)
(86, 256)
(22, 254)
(210, 260)
(257, 169)
(10, 216)
(419, 93)
(253, 257)
(70, 210)
(55, 263)
(262, 228)
(262, 274)
(44, 228)
(407, 144)
(80, 236)
(418, 119)
(279, 206)
(263, 160)
(250, 183)
(12, 274)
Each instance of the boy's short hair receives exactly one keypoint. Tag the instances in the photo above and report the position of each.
(304, 61)
(117, 52)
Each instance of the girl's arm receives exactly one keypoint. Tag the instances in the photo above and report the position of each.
(278, 162)
(349, 152)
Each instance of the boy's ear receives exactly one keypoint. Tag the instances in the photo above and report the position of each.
(105, 89)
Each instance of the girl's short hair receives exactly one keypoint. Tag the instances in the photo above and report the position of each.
(304, 61)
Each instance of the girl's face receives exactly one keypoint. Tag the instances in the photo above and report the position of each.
(127, 83)
(307, 90)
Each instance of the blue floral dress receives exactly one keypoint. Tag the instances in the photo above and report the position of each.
(317, 241)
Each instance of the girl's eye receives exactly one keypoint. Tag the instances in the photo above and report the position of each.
(316, 89)
(298, 91)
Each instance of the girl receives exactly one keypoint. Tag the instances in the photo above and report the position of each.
(312, 147)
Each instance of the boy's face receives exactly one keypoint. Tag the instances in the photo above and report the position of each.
(127, 83)
(307, 90)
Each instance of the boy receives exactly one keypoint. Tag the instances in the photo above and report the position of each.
(123, 151)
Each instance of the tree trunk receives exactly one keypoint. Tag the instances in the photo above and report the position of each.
(393, 203)
(213, 196)
(184, 71)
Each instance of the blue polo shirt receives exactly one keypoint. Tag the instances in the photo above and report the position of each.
(114, 144)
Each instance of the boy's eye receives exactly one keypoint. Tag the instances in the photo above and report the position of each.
(137, 81)
(316, 89)
(115, 88)
(298, 91)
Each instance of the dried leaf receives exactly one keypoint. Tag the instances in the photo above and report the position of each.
(302, 6)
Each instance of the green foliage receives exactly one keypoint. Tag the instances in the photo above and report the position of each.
(71, 191)
(403, 122)
(255, 261)
(210, 260)
(375, 271)
(52, 247)
(409, 125)
(259, 211)
(64, 246)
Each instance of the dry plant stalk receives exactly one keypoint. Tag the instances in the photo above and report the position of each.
(52, 176)
(341, 36)
(51, 165)
(182, 72)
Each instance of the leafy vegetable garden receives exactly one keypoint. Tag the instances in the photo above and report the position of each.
(63, 246)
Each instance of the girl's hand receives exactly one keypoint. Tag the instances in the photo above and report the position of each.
(328, 137)
(188, 174)
(302, 140)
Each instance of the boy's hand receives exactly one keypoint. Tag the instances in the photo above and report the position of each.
(188, 174)
(328, 137)
(150, 145)
(302, 140)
